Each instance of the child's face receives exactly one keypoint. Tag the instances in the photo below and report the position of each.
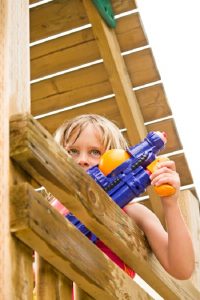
(87, 149)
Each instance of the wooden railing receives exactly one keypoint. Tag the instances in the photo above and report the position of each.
(37, 224)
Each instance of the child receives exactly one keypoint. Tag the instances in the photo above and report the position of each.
(85, 138)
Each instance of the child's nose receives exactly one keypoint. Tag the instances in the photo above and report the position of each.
(83, 160)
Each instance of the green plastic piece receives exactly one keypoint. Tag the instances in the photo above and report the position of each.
(105, 9)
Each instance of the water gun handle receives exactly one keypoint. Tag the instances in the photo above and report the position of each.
(163, 190)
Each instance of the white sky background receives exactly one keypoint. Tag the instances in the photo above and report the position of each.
(173, 30)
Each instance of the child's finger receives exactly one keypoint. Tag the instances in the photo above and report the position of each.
(168, 164)
(166, 178)
(161, 171)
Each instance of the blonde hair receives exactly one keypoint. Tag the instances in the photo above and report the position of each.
(112, 138)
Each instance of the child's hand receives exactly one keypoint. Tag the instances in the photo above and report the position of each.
(165, 173)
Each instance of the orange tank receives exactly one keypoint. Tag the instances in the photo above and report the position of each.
(111, 159)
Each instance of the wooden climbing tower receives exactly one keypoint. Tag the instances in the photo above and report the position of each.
(60, 59)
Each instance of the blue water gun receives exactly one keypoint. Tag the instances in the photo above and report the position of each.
(125, 174)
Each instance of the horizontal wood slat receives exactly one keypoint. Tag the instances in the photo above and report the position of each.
(140, 66)
(73, 81)
(56, 240)
(81, 48)
(152, 100)
(35, 151)
(109, 109)
(61, 15)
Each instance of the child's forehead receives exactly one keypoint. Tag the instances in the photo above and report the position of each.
(87, 128)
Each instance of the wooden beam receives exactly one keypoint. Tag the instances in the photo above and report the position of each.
(15, 257)
(35, 222)
(36, 152)
(118, 75)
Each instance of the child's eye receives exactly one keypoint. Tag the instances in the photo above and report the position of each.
(72, 152)
(95, 152)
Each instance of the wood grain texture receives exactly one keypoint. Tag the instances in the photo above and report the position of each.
(16, 276)
(152, 100)
(34, 149)
(140, 67)
(40, 226)
(81, 47)
(60, 15)
(49, 282)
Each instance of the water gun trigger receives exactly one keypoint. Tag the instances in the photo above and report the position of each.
(163, 190)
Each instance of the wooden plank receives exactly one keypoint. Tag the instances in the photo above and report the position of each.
(107, 108)
(68, 250)
(153, 102)
(15, 258)
(65, 287)
(22, 270)
(80, 47)
(36, 151)
(46, 279)
(51, 284)
(140, 66)
(80, 80)
(60, 15)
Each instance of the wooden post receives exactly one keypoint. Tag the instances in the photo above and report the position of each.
(65, 287)
(50, 284)
(14, 98)
(46, 280)
(80, 294)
